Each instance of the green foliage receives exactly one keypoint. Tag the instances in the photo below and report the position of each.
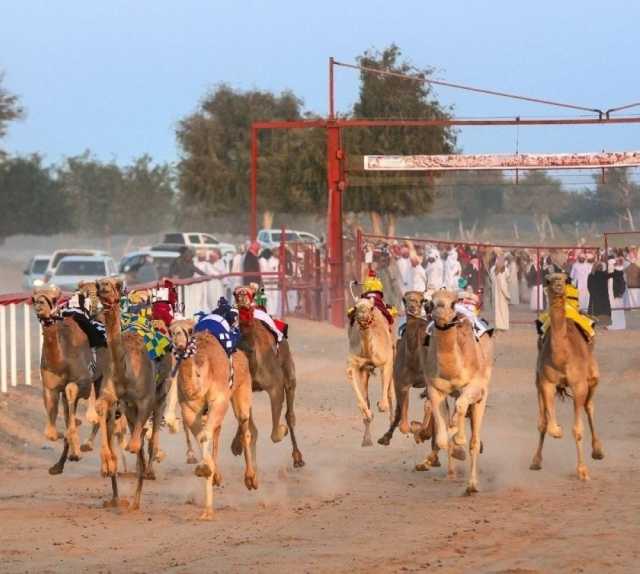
(392, 97)
(10, 109)
(31, 201)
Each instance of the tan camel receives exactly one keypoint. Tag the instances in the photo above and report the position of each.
(408, 366)
(272, 370)
(64, 369)
(371, 346)
(208, 380)
(458, 365)
(565, 359)
(133, 383)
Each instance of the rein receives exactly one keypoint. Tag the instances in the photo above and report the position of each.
(180, 355)
(448, 326)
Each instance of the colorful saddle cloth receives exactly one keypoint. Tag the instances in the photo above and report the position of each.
(221, 323)
(585, 323)
(156, 343)
(78, 309)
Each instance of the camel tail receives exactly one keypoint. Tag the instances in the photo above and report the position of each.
(562, 391)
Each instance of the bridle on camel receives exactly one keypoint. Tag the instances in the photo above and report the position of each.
(55, 314)
(367, 323)
(454, 323)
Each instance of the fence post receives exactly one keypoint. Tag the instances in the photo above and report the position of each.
(13, 351)
(3, 349)
(27, 343)
(282, 267)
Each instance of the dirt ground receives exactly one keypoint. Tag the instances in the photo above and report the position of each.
(351, 509)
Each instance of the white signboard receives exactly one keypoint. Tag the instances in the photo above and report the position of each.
(500, 161)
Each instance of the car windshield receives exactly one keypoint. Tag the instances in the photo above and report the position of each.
(39, 266)
(62, 254)
(173, 238)
(87, 267)
(289, 236)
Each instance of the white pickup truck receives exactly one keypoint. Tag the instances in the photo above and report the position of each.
(194, 240)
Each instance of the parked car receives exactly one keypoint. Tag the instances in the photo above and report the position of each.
(35, 270)
(132, 265)
(270, 238)
(58, 255)
(75, 268)
(194, 240)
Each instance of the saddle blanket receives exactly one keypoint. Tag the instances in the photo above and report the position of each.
(219, 327)
(156, 343)
(278, 328)
(479, 327)
(93, 329)
(585, 324)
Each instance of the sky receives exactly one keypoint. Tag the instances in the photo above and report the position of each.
(115, 76)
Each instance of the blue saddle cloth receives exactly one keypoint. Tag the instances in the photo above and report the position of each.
(227, 335)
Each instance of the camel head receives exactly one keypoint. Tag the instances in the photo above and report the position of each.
(45, 300)
(555, 285)
(364, 314)
(181, 332)
(444, 313)
(413, 301)
(244, 297)
(109, 291)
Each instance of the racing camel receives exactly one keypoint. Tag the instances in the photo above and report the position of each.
(458, 365)
(207, 381)
(565, 359)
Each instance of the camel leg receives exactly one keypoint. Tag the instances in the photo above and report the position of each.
(91, 415)
(536, 463)
(107, 418)
(136, 429)
(290, 416)
(432, 458)
(155, 454)
(437, 397)
(191, 457)
(71, 392)
(276, 397)
(597, 451)
(170, 409)
(386, 378)
(472, 394)
(87, 445)
(106, 414)
(579, 400)
(141, 472)
(241, 403)
(51, 399)
(400, 416)
(359, 379)
(477, 414)
(549, 397)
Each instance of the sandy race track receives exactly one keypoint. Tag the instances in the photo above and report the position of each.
(351, 509)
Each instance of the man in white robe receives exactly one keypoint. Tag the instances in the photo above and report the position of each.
(419, 275)
(202, 289)
(501, 295)
(580, 277)
(269, 263)
(514, 280)
(452, 271)
(435, 270)
(216, 288)
(405, 270)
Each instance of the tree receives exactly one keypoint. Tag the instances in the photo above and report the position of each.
(213, 173)
(31, 201)
(392, 97)
(10, 108)
(618, 195)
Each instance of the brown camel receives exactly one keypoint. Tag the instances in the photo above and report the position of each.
(565, 359)
(371, 346)
(458, 365)
(408, 366)
(272, 369)
(171, 420)
(134, 384)
(65, 368)
(208, 380)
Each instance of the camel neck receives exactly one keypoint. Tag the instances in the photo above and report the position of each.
(51, 346)
(557, 329)
(114, 339)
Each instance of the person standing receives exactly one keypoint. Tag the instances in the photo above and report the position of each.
(434, 270)
(251, 265)
(236, 267)
(599, 305)
(216, 288)
(270, 264)
(405, 270)
(534, 282)
(580, 276)
(514, 280)
(501, 296)
(632, 278)
(202, 290)
(418, 274)
(617, 288)
(452, 271)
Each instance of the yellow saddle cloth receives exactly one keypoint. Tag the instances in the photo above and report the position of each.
(584, 322)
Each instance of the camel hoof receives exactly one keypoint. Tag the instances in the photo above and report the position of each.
(191, 459)
(298, 461)
(56, 469)
(86, 447)
(172, 425)
(74, 457)
(597, 453)
(471, 489)
(236, 446)
(555, 432)
(135, 507)
(435, 462)
(383, 406)
(251, 482)
(206, 515)
(384, 440)
(458, 453)
(280, 433)
(149, 475)
(116, 503)
(535, 465)
(423, 467)
(583, 473)
(52, 434)
(159, 456)
(133, 447)
(367, 442)
(202, 470)
(217, 479)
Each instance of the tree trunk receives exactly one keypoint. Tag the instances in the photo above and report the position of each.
(516, 233)
(391, 224)
(376, 223)
(632, 226)
(267, 219)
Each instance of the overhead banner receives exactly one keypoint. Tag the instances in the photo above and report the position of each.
(500, 161)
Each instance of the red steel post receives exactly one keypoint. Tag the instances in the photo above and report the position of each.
(282, 267)
(253, 211)
(335, 182)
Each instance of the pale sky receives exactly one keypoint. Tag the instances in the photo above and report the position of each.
(115, 76)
